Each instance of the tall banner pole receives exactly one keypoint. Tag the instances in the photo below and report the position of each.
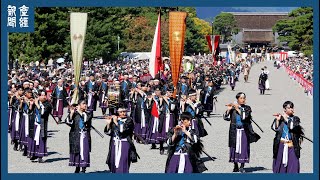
(78, 27)
(177, 31)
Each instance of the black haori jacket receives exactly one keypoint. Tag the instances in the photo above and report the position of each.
(251, 135)
(294, 129)
(162, 115)
(137, 107)
(204, 93)
(63, 95)
(127, 133)
(74, 134)
(44, 120)
(193, 149)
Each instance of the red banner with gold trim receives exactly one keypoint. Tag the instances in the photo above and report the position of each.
(177, 31)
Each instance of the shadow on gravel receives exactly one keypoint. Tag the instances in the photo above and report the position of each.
(105, 171)
(219, 90)
(50, 153)
(55, 159)
(53, 131)
(253, 169)
(205, 159)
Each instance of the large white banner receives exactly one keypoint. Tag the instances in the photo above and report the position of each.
(78, 27)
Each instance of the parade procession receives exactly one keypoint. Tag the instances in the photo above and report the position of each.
(221, 110)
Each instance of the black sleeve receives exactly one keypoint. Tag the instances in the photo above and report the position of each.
(227, 116)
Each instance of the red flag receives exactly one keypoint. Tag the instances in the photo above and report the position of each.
(216, 39)
(154, 110)
(155, 63)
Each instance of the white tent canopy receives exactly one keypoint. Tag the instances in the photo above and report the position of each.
(142, 57)
(60, 60)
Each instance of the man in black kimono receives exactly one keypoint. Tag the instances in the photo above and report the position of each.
(139, 111)
(91, 90)
(287, 141)
(125, 87)
(103, 94)
(207, 95)
(182, 148)
(184, 86)
(79, 136)
(262, 81)
(59, 98)
(194, 108)
(17, 102)
(122, 151)
(40, 115)
(241, 133)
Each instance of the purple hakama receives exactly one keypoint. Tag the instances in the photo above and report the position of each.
(124, 161)
(293, 165)
(244, 156)
(23, 139)
(232, 81)
(167, 125)
(91, 102)
(58, 111)
(102, 104)
(194, 125)
(174, 164)
(35, 150)
(75, 158)
(153, 132)
(15, 135)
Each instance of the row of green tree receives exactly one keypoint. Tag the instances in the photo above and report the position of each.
(297, 30)
(134, 26)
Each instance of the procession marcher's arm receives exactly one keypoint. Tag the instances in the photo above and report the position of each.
(227, 114)
(295, 126)
(276, 123)
(70, 117)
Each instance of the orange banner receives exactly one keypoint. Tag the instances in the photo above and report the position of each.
(177, 31)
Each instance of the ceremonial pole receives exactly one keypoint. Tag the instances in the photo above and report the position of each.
(78, 26)
(177, 30)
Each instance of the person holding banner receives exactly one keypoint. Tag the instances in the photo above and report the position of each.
(167, 116)
(59, 98)
(287, 140)
(79, 136)
(103, 95)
